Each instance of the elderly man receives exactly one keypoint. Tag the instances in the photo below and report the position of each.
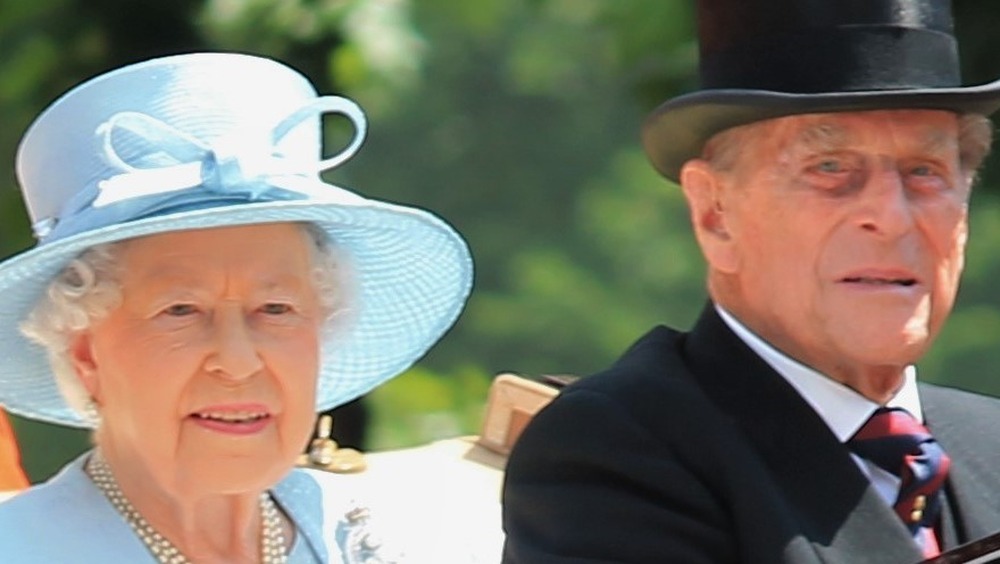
(827, 165)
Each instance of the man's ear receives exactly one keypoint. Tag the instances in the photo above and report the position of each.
(707, 200)
(81, 356)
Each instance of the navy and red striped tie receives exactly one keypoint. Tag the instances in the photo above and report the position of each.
(896, 442)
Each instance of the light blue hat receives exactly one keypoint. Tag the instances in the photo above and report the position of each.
(210, 140)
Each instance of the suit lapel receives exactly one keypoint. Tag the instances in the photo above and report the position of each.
(972, 510)
(838, 510)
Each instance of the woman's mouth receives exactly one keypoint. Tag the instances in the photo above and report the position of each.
(236, 421)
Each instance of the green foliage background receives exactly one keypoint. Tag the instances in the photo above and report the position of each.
(517, 120)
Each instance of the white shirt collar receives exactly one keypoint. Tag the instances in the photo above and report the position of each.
(843, 409)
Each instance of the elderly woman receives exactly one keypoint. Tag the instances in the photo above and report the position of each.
(196, 296)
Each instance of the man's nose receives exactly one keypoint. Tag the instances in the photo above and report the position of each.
(886, 207)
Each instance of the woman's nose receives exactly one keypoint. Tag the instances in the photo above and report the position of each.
(234, 352)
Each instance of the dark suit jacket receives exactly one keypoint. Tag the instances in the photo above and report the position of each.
(692, 449)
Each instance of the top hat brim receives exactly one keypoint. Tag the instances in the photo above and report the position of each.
(677, 130)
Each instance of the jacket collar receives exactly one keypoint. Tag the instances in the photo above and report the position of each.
(838, 509)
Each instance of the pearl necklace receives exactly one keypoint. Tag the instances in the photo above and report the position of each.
(272, 542)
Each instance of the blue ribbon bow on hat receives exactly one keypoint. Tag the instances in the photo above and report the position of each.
(161, 165)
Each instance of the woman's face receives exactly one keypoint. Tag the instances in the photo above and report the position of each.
(205, 375)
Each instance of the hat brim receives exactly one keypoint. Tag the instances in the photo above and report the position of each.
(412, 275)
(678, 129)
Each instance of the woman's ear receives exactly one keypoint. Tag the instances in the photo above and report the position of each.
(81, 356)
(707, 198)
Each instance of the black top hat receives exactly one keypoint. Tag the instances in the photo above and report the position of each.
(763, 59)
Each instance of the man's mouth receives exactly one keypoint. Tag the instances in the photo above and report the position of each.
(905, 282)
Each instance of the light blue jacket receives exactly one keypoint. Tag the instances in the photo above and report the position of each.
(67, 519)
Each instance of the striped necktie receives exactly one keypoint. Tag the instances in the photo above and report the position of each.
(896, 442)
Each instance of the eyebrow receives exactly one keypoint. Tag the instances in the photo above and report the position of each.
(823, 137)
(174, 277)
(827, 137)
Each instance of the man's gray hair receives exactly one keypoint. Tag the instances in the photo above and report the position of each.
(89, 288)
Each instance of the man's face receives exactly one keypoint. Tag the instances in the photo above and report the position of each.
(846, 235)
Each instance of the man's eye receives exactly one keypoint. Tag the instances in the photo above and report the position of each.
(276, 309)
(179, 310)
(922, 170)
(830, 167)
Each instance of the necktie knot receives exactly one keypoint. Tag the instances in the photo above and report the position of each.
(895, 441)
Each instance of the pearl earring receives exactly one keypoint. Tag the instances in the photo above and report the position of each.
(91, 412)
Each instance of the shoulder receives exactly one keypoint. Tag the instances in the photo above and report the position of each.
(33, 506)
(33, 515)
(947, 401)
(313, 495)
(638, 442)
(68, 509)
(653, 356)
(646, 395)
(958, 416)
(644, 418)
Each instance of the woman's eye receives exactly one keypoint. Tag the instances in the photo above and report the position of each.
(276, 309)
(180, 310)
